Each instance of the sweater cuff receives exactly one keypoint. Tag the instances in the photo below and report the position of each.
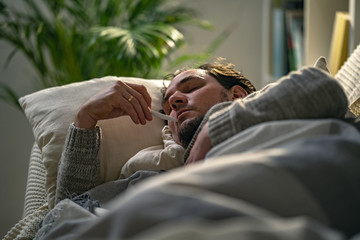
(87, 139)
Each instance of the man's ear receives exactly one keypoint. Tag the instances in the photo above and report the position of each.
(237, 92)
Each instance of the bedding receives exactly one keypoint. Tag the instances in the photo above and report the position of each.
(277, 180)
(316, 195)
(253, 219)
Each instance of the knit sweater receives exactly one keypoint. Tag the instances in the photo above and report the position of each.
(305, 94)
(79, 167)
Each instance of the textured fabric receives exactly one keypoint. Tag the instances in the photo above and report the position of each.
(322, 64)
(108, 191)
(308, 93)
(35, 195)
(93, 201)
(315, 179)
(166, 156)
(271, 134)
(349, 78)
(51, 111)
(27, 227)
(64, 210)
(82, 172)
(244, 228)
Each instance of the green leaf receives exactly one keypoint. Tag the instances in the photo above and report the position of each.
(75, 40)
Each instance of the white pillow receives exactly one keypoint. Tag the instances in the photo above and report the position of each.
(51, 111)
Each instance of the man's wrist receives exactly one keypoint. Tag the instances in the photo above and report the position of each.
(84, 121)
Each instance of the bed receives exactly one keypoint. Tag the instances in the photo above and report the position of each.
(257, 185)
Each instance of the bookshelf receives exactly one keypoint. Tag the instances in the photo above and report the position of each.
(286, 36)
(318, 18)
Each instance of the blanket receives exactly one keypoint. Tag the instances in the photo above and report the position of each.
(305, 185)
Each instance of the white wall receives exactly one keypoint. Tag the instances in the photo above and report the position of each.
(319, 19)
(243, 48)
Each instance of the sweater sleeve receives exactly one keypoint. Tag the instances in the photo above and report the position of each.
(79, 167)
(308, 93)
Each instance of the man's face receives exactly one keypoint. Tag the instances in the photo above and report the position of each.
(189, 96)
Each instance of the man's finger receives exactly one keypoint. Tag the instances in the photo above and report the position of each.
(143, 99)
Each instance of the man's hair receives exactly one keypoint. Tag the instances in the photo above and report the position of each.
(225, 73)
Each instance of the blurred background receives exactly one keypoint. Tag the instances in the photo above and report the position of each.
(252, 34)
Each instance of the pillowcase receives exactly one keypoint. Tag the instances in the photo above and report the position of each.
(51, 111)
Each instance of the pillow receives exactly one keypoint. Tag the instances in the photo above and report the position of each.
(51, 111)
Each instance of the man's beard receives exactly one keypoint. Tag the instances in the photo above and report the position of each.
(187, 132)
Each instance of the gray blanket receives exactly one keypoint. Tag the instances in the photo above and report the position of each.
(301, 184)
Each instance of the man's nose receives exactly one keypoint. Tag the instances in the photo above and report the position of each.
(177, 100)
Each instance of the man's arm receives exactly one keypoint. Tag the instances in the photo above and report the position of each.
(79, 168)
(310, 93)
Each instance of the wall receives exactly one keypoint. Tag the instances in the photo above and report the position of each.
(243, 48)
(319, 19)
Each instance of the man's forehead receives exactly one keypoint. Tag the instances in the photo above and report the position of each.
(181, 79)
(184, 76)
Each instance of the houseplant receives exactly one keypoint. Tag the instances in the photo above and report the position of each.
(73, 40)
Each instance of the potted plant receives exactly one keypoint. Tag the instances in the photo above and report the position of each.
(74, 40)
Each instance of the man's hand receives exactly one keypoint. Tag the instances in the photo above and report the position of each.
(201, 146)
(119, 100)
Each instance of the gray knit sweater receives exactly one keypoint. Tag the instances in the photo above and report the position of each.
(305, 94)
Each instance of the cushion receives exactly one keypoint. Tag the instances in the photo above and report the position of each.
(51, 111)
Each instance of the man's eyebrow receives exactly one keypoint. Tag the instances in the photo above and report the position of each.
(181, 82)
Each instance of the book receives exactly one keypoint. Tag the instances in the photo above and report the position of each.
(287, 36)
(339, 46)
(295, 37)
(279, 50)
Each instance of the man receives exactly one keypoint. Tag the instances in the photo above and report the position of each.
(188, 98)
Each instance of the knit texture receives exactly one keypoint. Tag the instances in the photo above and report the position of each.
(35, 195)
(349, 78)
(27, 227)
(79, 167)
(308, 93)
